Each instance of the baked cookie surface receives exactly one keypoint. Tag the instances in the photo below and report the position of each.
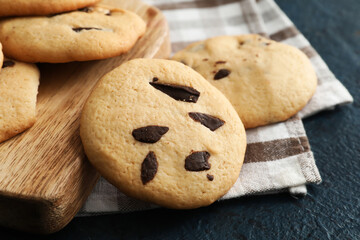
(86, 34)
(40, 7)
(161, 133)
(18, 90)
(265, 81)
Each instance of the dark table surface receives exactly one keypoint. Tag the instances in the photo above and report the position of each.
(331, 210)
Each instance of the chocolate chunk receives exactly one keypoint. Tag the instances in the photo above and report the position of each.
(177, 92)
(7, 63)
(85, 28)
(149, 168)
(149, 134)
(210, 177)
(197, 161)
(155, 79)
(86, 9)
(108, 14)
(221, 74)
(220, 62)
(207, 120)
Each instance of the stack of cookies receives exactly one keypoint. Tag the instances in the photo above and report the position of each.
(53, 32)
(171, 132)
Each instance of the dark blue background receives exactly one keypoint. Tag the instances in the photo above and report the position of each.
(329, 211)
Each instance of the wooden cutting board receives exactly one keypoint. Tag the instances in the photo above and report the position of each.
(44, 175)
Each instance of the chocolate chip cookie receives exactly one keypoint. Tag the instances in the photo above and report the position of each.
(18, 90)
(160, 132)
(40, 7)
(265, 81)
(86, 34)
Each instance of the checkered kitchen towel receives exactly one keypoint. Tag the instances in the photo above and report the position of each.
(278, 156)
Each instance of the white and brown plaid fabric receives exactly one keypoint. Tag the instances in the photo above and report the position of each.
(278, 156)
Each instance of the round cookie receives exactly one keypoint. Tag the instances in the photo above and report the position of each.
(40, 7)
(161, 133)
(18, 90)
(265, 81)
(86, 34)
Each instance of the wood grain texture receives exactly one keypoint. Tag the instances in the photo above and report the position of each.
(44, 175)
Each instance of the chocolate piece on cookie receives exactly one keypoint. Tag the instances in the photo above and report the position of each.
(160, 132)
(41, 7)
(149, 134)
(95, 33)
(207, 120)
(221, 74)
(149, 168)
(18, 90)
(197, 161)
(180, 93)
(265, 81)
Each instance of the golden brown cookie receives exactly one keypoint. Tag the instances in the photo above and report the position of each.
(87, 34)
(161, 133)
(18, 90)
(265, 81)
(40, 7)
